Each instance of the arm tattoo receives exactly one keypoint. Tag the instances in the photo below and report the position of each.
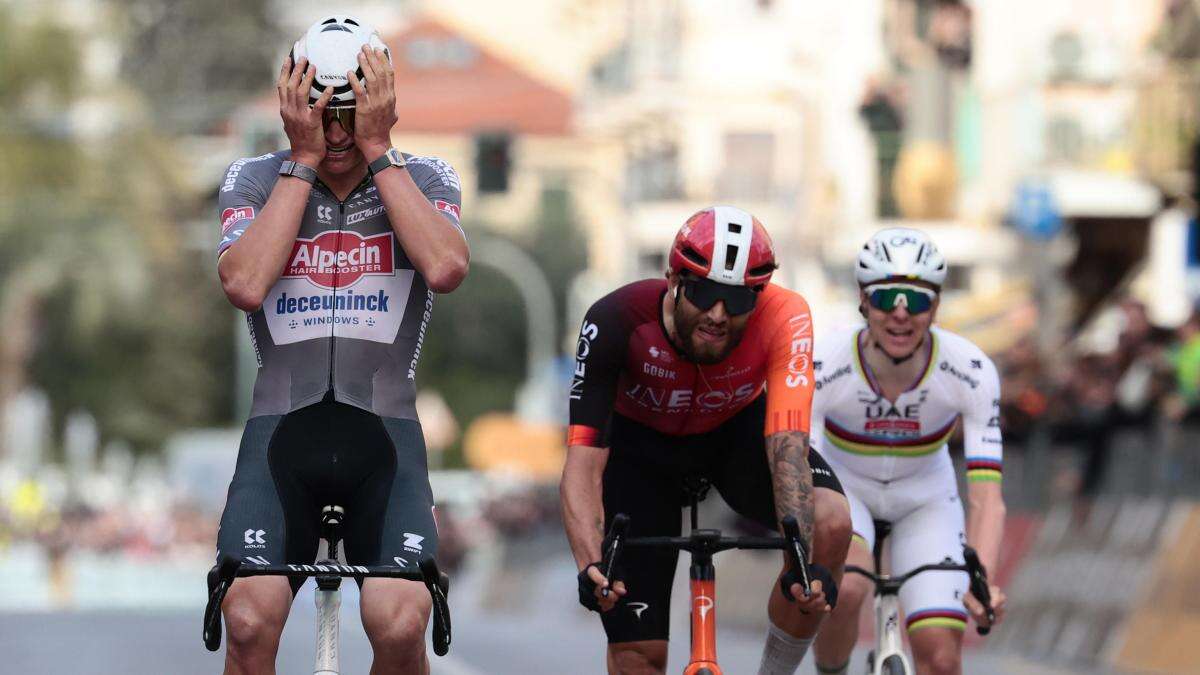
(787, 452)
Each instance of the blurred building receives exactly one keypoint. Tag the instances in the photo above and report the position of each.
(748, 103)
(828, 123)
(977, 112)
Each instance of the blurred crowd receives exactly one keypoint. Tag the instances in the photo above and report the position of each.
(186, 531)
(179, 529)
(1076, 398)
(1080, 396)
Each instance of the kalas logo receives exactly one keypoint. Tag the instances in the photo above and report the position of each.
(231, 216)
(337, 259)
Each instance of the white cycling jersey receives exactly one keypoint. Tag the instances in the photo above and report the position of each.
(854, 425)
(893, 463)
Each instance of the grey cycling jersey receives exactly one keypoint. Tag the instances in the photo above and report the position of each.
(349, 311)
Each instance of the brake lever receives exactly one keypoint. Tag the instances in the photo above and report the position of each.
(439, 590)
(979, 587)
(796, 552)
(612, 548)
(220, 578)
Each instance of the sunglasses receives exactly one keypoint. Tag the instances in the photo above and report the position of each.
(344, 117)
(704, 293)
(914, 299)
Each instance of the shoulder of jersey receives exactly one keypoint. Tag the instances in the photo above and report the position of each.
(960, 352)
(435, 165)
(774, 295)
(271, 159)
(638, 300)
(779, 307)
(835, 344)
(265, 166)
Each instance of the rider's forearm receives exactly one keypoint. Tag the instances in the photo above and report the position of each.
(791, 477)
(252, 265)
(985, 521)
(437, 249)
(582, 501)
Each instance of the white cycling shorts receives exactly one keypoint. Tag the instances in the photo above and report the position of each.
(927, 527)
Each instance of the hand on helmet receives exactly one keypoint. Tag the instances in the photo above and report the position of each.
(302, 124)
(375, 103)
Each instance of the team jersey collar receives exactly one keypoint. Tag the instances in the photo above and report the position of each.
(868, 375)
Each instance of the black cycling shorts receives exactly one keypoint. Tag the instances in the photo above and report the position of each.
(644, 479)
(291, 466)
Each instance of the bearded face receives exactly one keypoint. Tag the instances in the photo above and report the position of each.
(707, 336)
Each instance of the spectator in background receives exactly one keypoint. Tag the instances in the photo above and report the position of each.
(1023, 403)
(950, 33)
(1182, 405)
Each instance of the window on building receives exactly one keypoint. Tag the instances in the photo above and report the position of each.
(440, 52)
(651, 263)
(653, 173)
(493, 161)
(749, 168)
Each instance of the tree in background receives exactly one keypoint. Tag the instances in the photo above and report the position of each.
(197, 60)
(107, 309)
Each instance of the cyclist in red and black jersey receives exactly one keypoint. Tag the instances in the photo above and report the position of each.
(706, 375)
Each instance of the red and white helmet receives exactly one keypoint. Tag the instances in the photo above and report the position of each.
(725, 244)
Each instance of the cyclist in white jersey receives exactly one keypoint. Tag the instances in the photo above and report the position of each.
(889, 395)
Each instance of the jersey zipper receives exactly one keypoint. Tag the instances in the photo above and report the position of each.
(341, 226)
(333, 305)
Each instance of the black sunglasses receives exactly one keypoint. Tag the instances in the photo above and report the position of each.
(704, 293)
(344, 117)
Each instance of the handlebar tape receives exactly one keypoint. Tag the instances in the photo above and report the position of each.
(979, 586)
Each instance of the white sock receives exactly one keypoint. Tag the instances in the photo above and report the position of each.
(783, 653)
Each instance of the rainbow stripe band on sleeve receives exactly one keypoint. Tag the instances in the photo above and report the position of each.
(983, 469)
(942, 617)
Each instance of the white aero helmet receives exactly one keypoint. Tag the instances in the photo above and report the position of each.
(332, 46)
(899, 253)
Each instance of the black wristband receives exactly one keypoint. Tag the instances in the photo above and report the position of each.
(301, 171)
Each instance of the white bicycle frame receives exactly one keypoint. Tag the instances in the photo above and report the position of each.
(329, 602)
(888, 639)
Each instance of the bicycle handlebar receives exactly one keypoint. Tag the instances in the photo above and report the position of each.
(221, 577)
(704, 542)
(971, 565)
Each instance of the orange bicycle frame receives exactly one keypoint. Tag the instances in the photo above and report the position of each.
(704, 620)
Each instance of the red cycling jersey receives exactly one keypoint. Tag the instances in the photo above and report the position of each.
(625, 364)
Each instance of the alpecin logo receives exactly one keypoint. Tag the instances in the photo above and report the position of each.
(340, 258)
(232, 216)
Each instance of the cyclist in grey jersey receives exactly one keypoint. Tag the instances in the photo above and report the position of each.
(349, 309)
(334, 250)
